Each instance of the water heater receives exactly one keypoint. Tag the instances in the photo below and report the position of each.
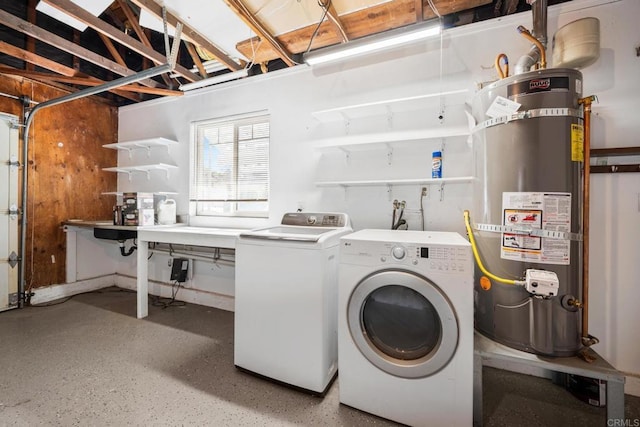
(527, 208)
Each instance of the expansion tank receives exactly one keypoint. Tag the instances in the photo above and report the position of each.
(527, 177)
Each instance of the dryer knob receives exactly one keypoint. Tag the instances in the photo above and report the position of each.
(398, 252)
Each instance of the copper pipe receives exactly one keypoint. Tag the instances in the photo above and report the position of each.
(586, 105)
(543, 55)
(502, 73)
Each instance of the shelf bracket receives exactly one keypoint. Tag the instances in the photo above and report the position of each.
(389, 192)
(129, 152)
(129, 173)
(442, 191)
(389, 117)
(347, 154)
(389, 154)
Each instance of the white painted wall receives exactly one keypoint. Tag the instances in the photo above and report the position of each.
(468, 56)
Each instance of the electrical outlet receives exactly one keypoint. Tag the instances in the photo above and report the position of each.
(425, 191)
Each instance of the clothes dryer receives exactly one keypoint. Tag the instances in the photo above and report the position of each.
(405, 326)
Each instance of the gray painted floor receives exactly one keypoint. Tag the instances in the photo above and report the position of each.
(89, 361)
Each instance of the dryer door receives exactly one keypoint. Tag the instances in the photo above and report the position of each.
(402, 323)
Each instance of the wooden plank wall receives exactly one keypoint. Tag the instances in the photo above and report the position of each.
(66, 180)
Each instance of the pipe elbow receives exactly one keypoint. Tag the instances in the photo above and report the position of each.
(527, 60)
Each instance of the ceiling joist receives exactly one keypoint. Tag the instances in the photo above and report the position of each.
(280, 51)
(27, 28)
(115, 34)
(88, 81)
(334, 19)
(190, 33)
(364, 22)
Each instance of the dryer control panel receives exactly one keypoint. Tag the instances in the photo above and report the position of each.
(435, 258)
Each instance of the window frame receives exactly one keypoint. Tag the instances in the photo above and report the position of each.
(195, 130)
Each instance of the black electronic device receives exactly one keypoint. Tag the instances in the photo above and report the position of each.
(179, 269)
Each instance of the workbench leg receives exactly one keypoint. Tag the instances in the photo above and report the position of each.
(615, 402)
(477, 390)
(142, 284)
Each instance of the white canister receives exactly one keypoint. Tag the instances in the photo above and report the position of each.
(167, 212)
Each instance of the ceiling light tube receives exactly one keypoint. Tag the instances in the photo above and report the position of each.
(373, 43)
(214, 80)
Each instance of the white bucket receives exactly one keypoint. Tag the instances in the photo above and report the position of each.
(167, 212)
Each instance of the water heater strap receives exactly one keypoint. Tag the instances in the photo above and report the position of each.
(528, 231)
(529, 114)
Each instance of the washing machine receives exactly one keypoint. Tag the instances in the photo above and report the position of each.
(405, 326)
(286, 300)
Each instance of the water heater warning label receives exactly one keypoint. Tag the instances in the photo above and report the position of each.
(523, 212)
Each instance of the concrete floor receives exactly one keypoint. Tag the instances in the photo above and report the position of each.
(89, 361)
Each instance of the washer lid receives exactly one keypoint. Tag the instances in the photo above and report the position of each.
(304, 227)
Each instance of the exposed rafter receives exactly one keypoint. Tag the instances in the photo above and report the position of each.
(88, 81)
(419, 11)
(334, 19)
(196, 59)
(27, 28)
(243, 13)
(375, 19)
(115, 34)
(190, 33)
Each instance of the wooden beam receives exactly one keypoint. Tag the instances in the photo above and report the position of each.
(142, 36)
(196, 59)
(133, 21)
(112, 49)
(419, 11)
(31, 42)
(155, 9)
(33, 59)
(375, 19)
(243, 13)
(115, 34)
(25, 27)
(88, 81)
(334, 19)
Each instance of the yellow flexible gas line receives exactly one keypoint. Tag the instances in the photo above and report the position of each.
(476, 255)
(502, 73)
(526, 34)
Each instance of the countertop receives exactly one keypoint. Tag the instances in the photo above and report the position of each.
(173, 233)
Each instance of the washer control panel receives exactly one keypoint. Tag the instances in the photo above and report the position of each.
(308, 219)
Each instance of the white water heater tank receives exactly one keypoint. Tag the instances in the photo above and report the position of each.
(577, 44)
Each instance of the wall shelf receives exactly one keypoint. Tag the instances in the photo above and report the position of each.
(383, 107)
(369, 141)
(392, 182)
(142, 143)
(142, 168)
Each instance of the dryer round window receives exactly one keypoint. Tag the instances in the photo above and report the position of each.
(402, 323)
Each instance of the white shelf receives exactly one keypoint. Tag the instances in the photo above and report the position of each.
(369, 141)
(384, 107)
(390, 182)
(142, 143)
(142, 168)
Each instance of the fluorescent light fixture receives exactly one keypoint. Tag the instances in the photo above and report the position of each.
(373, 43)
(94, 7)
(214, 80)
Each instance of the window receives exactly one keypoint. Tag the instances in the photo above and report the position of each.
(231, 166)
